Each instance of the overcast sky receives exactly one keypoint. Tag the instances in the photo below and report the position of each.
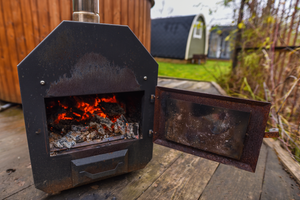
(222, 16)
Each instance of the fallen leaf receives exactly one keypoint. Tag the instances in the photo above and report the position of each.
(155, 185)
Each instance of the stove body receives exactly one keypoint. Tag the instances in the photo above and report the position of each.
(75, 60)
(90, 103)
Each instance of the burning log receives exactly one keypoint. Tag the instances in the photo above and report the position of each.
(112, 109)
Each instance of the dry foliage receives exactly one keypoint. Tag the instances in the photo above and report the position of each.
(269, 67)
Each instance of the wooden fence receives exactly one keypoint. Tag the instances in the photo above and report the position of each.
(25, 23)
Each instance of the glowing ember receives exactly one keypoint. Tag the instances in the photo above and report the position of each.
(87, 110)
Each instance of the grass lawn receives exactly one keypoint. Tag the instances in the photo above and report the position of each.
(209, 71)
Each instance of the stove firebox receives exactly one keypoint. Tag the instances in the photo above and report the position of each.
(79, 121)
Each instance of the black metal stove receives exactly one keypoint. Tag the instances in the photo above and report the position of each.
(92, 110)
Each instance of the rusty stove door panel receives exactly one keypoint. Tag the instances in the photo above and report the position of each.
(224, 129)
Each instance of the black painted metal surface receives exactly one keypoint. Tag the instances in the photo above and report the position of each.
(182, 107)
(79, 59)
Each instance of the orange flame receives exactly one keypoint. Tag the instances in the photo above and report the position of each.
(87, 109)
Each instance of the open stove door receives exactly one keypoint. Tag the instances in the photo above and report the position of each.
(223, 129)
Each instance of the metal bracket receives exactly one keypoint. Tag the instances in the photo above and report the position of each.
(150, 132)
(273, 133)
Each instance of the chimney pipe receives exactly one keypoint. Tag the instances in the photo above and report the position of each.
(86, 11)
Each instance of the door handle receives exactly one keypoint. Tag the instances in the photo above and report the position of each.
(102, 174)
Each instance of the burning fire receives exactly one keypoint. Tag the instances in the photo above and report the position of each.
(87, 110)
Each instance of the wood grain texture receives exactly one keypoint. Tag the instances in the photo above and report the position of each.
(231, 183)
(9, 43)
(185, 179)
(108, 12)
(35, 21)
(54, 13)
(136, 19)
(277, 183)
(131, 14)
(124, 12)
(43, 16)
(117, 12)
(25, 23)
(65, 10)
(4, 62)
(148, 27)
(143, 179)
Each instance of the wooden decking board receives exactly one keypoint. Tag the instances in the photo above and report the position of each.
(277, 183)
(185, 179)
(231, 183)
(144, 178)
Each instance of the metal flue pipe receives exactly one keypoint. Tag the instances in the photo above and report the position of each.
(86, 11)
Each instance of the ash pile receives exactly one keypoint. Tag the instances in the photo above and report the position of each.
(98, 130)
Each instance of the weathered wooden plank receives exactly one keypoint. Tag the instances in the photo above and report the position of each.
(163, 158)
(141, 20)
(185, 179)
(35, 21)
(65, 10)
(43, 18)
(148, 27)
(124, 13)
(101, 11)
(117, 12)
(136, 18)
(54, 13)
(108, 12)
(3, 72)
(18, 28)
(231, 183)
(27, 25)
(145, 23)
(277, 183)
(10, 57)
(131, 14)
(20, 47)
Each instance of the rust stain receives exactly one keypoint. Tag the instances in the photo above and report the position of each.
(217, 130)
(273, 134)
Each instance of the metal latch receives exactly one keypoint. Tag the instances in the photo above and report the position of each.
(152, 99)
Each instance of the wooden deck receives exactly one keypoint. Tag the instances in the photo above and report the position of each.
(170, 175)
